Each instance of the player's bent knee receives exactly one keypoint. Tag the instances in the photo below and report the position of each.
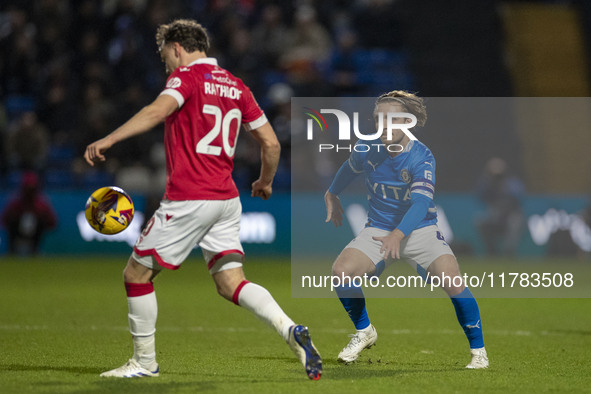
(130, 274)
(337, 270)
(225, 292)
(227, 281)
(453, 291)
(447, 269)
(134, 272)
(224, 263)
(352, 262)
(343, 266)
(344, 270)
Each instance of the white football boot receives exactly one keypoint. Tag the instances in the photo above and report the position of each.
(299, 341)
(362, 339)
(479, 359)
(132, 369)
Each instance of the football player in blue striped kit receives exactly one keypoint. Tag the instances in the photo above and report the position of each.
(399, 174)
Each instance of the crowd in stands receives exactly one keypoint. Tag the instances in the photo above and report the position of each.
(72, 71)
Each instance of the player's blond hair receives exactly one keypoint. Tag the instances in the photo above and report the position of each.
(411, 102)
(188, 33)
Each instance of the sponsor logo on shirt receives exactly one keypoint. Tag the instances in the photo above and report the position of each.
(373, 165)
(173, 83)
(224, 80)
(405, 175)
(389, 192)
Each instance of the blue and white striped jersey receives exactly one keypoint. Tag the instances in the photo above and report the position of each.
(391, 181)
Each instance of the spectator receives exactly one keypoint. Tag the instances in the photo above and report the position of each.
(346, 65)
(28, 143)
(378, 24)
(501, 225)
(28, 216)
(306, 51)
(100, 111)
(308, 41)
(241, 58)
(3, 131)
(270, 35)
(78, 65)
(17, 46)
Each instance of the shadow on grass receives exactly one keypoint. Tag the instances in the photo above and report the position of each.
(361, 369)
(338, 371)
(42, 368)
(153, 385)
(193, 382)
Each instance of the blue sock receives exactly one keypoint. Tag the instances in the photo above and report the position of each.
(353, 300)
(469, 317)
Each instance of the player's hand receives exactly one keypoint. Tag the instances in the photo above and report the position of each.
(95, 151)
(262, 189)
(391, 244)
(334, 209)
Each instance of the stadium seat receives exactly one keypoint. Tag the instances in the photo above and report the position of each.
(60, 157)
(96, 179)
(17, 104)
(58, 178)
(385, 69)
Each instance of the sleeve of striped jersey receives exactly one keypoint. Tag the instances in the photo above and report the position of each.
(256, 123)
(175, 95)
(356, 162)
(342, 179)
(423, 177)
(253, 116)
(414, 215)
(180, 86)
(424, 187)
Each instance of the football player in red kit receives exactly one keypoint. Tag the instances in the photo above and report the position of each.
(203, 107)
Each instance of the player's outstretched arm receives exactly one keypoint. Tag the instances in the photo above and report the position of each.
(270, 151)
(149, 117)
(334, 209)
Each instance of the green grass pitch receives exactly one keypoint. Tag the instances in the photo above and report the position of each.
(63, 321)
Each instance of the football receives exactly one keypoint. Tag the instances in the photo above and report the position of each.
(109, 210)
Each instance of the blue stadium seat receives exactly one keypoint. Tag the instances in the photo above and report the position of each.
(385, 70)
(59, 178)
(60, 156)
(96, 179)
(17, 104)
(13, 180)
(271, 77)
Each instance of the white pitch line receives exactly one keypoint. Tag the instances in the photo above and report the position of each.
(256, 328)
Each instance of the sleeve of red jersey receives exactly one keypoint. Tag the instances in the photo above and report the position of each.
(179, 85)
(253, 116)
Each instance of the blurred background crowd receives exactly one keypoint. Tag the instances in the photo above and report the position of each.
(72, 71)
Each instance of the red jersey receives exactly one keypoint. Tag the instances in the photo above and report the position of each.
(200, 137)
